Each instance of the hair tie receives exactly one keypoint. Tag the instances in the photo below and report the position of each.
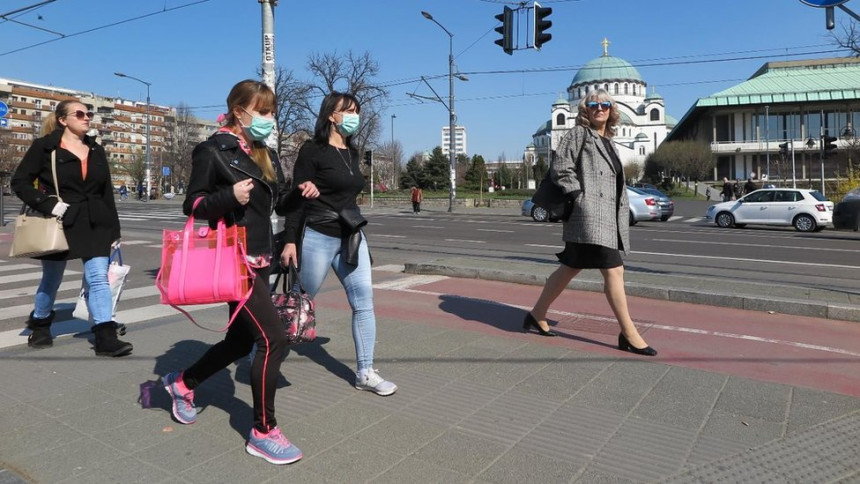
(221, 117)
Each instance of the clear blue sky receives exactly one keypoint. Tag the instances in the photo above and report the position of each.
(196, 53)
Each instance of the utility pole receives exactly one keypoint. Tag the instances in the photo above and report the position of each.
(268, 7)
(767, 139)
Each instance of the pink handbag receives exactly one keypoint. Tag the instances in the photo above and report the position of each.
(204, 267)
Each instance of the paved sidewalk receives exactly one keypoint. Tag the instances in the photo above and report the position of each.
(476, 403)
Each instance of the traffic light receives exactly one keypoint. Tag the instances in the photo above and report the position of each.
(507, 30)
(783, 149)
(541, 26)
(829, 144)
(368, 157)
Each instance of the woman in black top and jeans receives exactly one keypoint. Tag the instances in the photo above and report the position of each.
(237, 178)
(328, 230)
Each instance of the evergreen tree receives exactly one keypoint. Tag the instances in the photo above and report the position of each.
(477, 173)
(414, 175)
(437, 170)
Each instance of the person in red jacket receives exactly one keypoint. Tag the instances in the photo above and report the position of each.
(417, 198)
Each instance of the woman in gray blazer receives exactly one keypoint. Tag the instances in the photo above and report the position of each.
(588, 170)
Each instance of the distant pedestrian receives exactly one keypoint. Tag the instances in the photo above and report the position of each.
(749, 186)
(417, 198)
(708, 193)
(738, 189)
(89, 215)
(588, 170)
(140, 190)
(238, 178)
(328, 232)
(123, 191)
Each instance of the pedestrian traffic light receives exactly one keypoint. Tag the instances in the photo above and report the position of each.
(541, 26)
(507, 30)
(368, 157)
(829, 144)
(783, 149)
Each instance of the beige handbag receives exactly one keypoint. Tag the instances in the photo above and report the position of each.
(37, 234)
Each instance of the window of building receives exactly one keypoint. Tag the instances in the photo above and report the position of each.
(655, 114)
(625, 88)
(559, 119)
(641, 150)
(606, 87)
(615, 88)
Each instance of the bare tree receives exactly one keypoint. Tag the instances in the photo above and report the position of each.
(387, 163)
(295, 121)
(848, 38)
(632, 172)
(355, 74)
(183, 135)
(9, 156)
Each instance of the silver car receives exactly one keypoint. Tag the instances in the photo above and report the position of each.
(642, 206)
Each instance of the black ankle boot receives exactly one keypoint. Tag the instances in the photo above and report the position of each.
(107, 343)
(40, 336)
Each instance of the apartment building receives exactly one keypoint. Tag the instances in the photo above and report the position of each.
(119, 124)
(459, 140)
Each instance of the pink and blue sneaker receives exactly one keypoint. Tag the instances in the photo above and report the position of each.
(183, 398)
(273, 447)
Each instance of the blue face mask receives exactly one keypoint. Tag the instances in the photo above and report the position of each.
(349, 125)
(260, 128)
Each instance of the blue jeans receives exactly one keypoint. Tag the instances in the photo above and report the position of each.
(319, 252)
(95, 272)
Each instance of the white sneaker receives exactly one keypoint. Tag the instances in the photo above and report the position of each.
(371, 381)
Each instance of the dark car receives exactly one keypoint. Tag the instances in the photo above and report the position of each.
(666, 204)
(846, 214)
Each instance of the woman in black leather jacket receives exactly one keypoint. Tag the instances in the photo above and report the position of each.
(237, 178)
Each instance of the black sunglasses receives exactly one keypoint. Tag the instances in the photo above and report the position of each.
(80, 114)
(595, 104)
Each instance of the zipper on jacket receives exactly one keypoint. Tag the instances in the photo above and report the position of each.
(271, 198)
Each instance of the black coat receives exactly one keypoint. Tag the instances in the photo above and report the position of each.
(219, 163)
(91, 223)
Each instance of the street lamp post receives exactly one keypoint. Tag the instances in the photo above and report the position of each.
(451, 117)
(148, 156)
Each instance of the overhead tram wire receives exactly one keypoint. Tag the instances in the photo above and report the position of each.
(113, 24)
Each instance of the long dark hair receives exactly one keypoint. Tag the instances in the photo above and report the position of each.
(329, 104)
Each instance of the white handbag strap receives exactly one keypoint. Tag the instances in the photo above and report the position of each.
(54, 173)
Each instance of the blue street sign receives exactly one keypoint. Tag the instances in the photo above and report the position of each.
(4, 123)
(4, 109)
(165, 171)
(823, 3)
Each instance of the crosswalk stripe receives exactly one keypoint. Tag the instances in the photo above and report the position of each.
(35, 274)
(18, 267)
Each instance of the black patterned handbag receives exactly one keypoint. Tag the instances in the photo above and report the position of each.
(295, 307)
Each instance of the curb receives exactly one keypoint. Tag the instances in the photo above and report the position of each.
(813, 309)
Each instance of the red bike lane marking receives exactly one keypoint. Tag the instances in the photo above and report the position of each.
(793, 350)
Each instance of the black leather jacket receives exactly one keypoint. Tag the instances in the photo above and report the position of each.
(217, 164)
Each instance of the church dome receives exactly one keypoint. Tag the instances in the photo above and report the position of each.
(606, 68)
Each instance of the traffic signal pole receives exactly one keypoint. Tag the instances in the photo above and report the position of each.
(268, 64)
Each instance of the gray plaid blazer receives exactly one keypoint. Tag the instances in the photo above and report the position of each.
(589, 178)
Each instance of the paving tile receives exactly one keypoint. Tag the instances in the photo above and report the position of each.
(126, 470)
(462, 452)
(522, 465)
(811, 407)
(621, 386)
(400, 434)
(183, 452)
(351, 461)
(411, 469)
(32, 439)
(742, 428)
(68, 460)
(762, 400)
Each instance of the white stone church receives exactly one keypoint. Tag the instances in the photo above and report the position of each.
(644, 123)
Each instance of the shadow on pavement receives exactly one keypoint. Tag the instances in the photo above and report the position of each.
(500, 316)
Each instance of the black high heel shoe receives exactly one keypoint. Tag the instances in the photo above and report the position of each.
(531, 322)
(625, 345)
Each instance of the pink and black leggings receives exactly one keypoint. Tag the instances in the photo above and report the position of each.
(257, 322)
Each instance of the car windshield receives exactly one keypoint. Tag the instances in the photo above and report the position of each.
(636, 190)
(654, 191)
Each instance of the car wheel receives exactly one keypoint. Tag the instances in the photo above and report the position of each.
(632, 219)
(804, 223)
(725, 219)
(539, 214)
(664, 218)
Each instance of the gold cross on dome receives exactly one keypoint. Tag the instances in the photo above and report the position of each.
(605, 47)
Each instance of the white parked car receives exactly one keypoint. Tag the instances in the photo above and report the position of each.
(805, 210)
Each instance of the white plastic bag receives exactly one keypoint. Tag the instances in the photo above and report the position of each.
(117, 274)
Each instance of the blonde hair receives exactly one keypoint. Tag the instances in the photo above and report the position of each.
(583, 116)
(262, 99)
(61, 111)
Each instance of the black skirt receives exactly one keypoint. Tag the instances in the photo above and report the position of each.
(589, 256)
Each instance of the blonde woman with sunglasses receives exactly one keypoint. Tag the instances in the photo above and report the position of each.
(587, 168)
(89, 216)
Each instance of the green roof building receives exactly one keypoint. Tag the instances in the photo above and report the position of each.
(794, 102)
